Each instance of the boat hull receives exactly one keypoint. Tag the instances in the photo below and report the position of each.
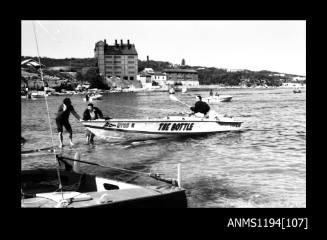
(138, 129)
(40, 185)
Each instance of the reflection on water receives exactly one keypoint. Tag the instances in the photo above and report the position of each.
(261, 166)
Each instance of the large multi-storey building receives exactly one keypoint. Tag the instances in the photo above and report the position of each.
(118, 60)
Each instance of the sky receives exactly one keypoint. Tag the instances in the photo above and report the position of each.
(255, 45)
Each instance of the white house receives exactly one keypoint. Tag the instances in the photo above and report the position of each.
(145, 80)
(149, 78)
(299, 78)
(279, 74)
(235, 70)
(159, 78)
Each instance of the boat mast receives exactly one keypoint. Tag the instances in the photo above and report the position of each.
(47, 106)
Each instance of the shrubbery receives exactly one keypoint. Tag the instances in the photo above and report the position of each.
(92, 76)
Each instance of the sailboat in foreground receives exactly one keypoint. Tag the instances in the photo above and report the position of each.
(81, 190)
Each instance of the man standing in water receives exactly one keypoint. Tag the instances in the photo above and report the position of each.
(62, 119)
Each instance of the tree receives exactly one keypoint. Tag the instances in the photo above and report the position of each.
(79, 77)
(94, 79)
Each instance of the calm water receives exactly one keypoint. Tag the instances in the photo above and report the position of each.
(262, 166)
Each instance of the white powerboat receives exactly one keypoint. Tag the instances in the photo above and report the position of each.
(94, 97)
(39, 94)
(217, 99)
(297, 91)
(171, 126)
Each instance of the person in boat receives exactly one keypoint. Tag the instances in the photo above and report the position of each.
(22, 141)
(200, 106)
(171, 90)
(62, 120)
(211, 93)
(217, 95)
(28, 94)
(91, 113)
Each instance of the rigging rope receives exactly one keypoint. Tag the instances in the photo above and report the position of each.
(47, 106)
(156, 176)
(99, 165)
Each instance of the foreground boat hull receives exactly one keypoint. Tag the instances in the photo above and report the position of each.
(136, 129)
(39, 185)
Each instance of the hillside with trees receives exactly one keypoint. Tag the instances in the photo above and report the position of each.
(207, 75)
(74, 62)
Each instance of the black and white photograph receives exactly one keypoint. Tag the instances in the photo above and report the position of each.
(163, 114)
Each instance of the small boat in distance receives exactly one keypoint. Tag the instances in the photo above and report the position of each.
(94, 97)
(297, 90)
(184, 89)
(171, 90)
(217, 99)
(39, 94)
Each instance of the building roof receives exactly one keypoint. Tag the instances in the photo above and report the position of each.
(31, 63)
(141, 74)
(118, 49)
(178, 70)
(159, 74)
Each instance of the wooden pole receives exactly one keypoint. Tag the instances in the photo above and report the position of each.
(179, 174)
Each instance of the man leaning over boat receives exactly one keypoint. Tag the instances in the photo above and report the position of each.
(200, 108)
(91, 113)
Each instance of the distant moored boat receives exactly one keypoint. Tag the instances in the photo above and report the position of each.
(217, 99)
(296, 91)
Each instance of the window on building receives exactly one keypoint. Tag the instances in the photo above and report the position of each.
(131, 57)
(117, 67)
(131, 78)
(117, 61)
(117, 72)
(125, 78)
(109, 56)
(130, 61)
(131, 72)
(131, 67)
(117, 56)
(108, 62)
